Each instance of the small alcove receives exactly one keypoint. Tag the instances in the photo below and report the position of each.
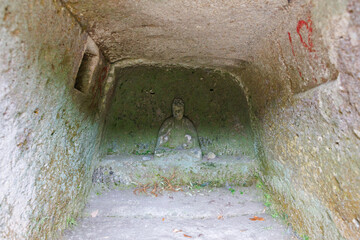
(84, 77)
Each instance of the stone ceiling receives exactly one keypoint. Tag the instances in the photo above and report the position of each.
(211, 32)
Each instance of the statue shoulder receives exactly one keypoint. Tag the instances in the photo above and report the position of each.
(167, 123)
(187, 121)
(189, 124)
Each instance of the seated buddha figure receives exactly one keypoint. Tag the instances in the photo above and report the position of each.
(177, 138)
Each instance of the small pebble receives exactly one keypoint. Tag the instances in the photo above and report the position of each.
(146, 158)
(211, 155)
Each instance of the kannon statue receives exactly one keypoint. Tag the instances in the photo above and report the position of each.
(177, 137)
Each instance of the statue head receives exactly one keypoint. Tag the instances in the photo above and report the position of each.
(178, 108)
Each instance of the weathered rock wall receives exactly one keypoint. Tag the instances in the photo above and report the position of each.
(301, 79)
(311, 145)
(304, 93)
(142, 101)
(50, 131)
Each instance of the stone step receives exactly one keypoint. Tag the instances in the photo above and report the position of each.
(201, 204)
(124, 170)
(207, 214)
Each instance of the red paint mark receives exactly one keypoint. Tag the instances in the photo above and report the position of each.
(293, 52)
(309, 45)
(292, 46)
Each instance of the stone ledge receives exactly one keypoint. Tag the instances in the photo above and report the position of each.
(125, 170)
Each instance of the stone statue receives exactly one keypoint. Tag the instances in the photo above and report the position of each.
(177, 139)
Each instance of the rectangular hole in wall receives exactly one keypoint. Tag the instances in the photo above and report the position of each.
(84, 75)
(90, 60)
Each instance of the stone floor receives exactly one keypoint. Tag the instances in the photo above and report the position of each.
(205, 213)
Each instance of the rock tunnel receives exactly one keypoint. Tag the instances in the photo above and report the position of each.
(274, 85)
